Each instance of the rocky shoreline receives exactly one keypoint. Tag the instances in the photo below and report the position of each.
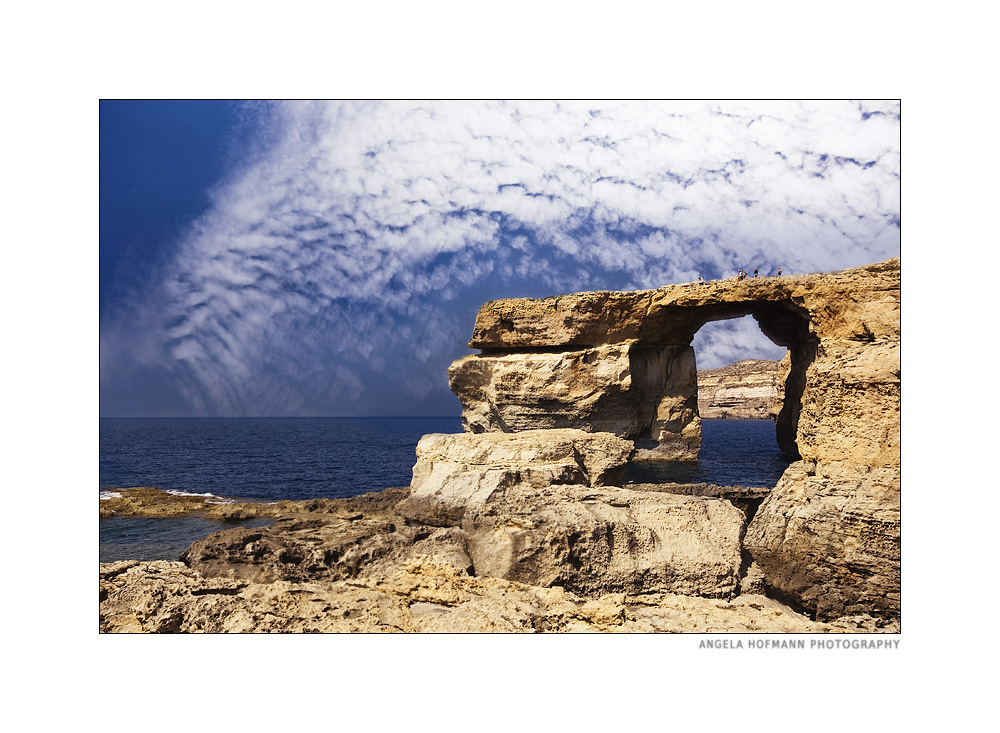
(357, 565)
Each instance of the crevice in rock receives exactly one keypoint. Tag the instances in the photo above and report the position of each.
(218, 591)
(789, 600)
(746, 560)
(748, 505)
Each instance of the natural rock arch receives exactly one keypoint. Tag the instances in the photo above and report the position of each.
(643, 388)
(827, 537)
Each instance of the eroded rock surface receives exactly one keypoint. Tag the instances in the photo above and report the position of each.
(647, 394)
(828, 537)
(321, 549)
(455, 472)
(593, 541)
(535, 507)
(425, 595)
(341, 569)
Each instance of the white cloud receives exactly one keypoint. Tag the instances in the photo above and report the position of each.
(357, 224)
(720, 343)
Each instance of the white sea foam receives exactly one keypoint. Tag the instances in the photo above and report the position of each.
(213, 500)
(178, 492)
(110, 495)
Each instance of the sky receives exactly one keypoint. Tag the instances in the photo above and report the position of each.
(328, 258)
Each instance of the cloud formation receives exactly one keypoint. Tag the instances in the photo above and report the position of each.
(338, 270)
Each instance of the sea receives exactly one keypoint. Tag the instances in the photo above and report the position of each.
(270, 459)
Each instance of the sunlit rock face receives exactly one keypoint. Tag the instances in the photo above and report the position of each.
(647, 394)
(606, 539)
(536, 507)
(621, 362)
(619, 351)
(828, 538)
(456, 472)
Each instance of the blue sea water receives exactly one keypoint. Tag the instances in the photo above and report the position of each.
(156, 538)
(267, 459)
(733, 453)
(270, 459)
(264, 459)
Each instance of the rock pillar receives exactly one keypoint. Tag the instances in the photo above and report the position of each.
(648, 394)
(675, 430)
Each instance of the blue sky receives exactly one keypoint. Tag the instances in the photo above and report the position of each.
(327, 258)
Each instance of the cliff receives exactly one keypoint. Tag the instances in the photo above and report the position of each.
(752, 389)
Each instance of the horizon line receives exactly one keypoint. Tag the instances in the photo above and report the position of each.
(276, 417)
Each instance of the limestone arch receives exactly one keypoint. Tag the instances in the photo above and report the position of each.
(639, 384)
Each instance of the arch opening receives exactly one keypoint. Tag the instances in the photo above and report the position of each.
(740, 451)
(785, 326)
(740, 387)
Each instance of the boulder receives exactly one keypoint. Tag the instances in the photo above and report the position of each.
(827, 538)
(607, 539)
(455, 472)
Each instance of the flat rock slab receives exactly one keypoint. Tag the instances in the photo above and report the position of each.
(455, 472)
(606, 540)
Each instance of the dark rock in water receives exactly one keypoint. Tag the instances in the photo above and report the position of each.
(145, 501)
